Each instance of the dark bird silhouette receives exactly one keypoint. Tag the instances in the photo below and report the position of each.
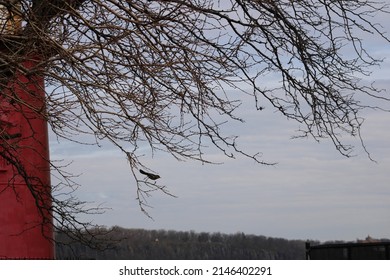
(151, 176)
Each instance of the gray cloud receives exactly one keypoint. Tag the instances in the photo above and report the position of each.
(313, 192)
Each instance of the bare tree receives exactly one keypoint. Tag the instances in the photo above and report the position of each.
(160, 72)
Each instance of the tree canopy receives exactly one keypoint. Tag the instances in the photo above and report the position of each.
(168, 74)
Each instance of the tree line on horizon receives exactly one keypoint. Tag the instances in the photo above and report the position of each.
(119, 243)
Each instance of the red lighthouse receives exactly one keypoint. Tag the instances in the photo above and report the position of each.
(26, 224)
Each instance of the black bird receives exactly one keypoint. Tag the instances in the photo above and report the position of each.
(151, 176)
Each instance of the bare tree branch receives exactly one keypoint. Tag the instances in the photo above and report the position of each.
(159, 73)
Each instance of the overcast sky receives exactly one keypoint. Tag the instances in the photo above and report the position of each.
(312, 193)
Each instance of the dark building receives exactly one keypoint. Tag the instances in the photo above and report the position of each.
(375, 250)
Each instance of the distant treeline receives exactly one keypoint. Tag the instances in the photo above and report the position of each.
(138, 244)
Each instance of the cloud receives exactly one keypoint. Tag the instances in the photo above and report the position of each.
(313, 192)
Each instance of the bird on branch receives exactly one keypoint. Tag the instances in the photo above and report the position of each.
(151, 176)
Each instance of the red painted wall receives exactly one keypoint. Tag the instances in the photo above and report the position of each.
(25, 232)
